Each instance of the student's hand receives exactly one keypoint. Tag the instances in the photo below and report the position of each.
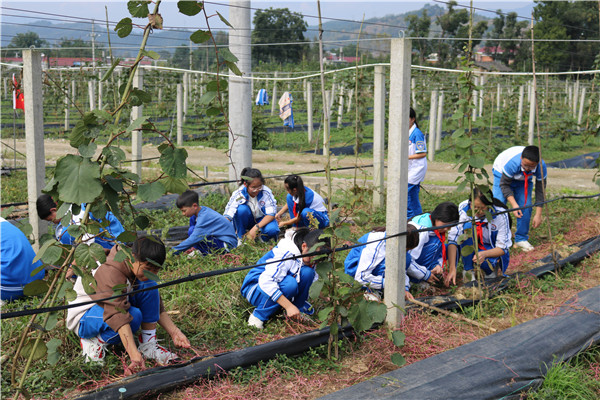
(479, 258)
(70, 274)
(518, 213)
(282, 224)
(433, 278)
(537, 219)
(408, 295)
(278, 217)
(437, 270)
(292, 311)
(180, 340)
(450, 277)
(137, 363)
(251, 234)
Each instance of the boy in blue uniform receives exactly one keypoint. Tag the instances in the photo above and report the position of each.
(417, 165)
(513, 170)
(117, 320)
(16, 256)
(47, 208)
(209, 230)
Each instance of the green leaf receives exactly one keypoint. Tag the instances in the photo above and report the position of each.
(226, 55)
(172, 162)
(45, 247)
(151, 191)
(119, 289)
(37, 270)
(38, 351)
(114, 183)
(224, 20)
(152, 54)
(66, 285)
(70, 295)
(52, 255)
(333, 330)
(233, 68)
(151, 275)
(78, 179)
(103, 114)
(52, 321)
(139, 97)
(127, 236)
(398, 359)
(189, 8)
(477, 162)
(200, 36)
(88, 150)
(467, 250)
(124, 27)
(398, 338)
(25, 227)
(53, 353)
(207, 97)
(343, 232)
(461, 186)
(213, 111)
(86, 256)
(110, 70)
(175, 185)
(142, 222)
(315, 289)
(123, 254)
(89, 284)
(216, 85)
(36, 288)
(324, 313)
(114, 155)
(138, 9)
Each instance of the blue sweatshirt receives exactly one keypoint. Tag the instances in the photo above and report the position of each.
(209, 224)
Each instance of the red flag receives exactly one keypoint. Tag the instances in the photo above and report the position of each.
(18, 101)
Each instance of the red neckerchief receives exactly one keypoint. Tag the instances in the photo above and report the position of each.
(294, 210)
(526, 175)
(479, 226)
(442, 239)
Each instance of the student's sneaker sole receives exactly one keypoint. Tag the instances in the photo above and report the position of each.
(524, 245)
(94, 350)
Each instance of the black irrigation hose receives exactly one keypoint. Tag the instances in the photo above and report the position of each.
(208, 274)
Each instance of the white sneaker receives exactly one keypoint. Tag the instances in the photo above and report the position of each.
(153, 351)
(93, 349)
(491, 275)
(255, 322)
(524, 245)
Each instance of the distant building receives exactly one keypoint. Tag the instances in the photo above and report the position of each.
(484, 66)
(51, 62)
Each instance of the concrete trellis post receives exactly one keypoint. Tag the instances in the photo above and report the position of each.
(160, 93)
(440, 117)
(332, 98)
(5, 87)
(240, 102)
(581, 106)
(395, 258)
(100, 94)
(520, 109)
(481, 95)
(498, 96)
(186, 92)
(309, 111)
(274, 99)
(350, 97)
(432, 124)
(413, 92)
(179, 114)
(575, 97)
(304, 90)
(34, 138)
(340, 107)
(91, 94)
(136, 136)
(378, 136)
(531, 119)
(475, 98)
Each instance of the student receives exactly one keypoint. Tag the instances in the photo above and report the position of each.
(366, 264)
(209, 230)
(47, 210)
(513, 170)
(431, 250)
(283, 283)
(417, 165)
(16, 267)
(493, 237)
(303, 205)
(252, 207)
(117, 320)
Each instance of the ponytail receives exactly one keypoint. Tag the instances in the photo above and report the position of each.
(295, 182)
(249, 174)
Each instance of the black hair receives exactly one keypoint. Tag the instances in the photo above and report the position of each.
(532, 153)
(487, 198)
(412, 237)
(413, 114)
(149, 249)
(249, 174)
(295, 182)
(187, 199)
(447, 212)
(44, 204)
(310, 237)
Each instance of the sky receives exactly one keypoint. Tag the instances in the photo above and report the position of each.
(344, 9)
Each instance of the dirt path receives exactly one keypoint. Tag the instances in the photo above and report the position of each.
(439, 174)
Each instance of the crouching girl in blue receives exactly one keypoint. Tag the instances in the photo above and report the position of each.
(431, 251)
(303, 204)
(252, 207)
(366, 264)
(282, 283)
(493, 237)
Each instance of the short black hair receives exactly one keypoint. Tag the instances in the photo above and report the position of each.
(187, 199)
(149, 249)
(310, 237)
(249, 174)
(44, 204)
(447, 212)
(532, 153)
(412, 114)
(412, 237)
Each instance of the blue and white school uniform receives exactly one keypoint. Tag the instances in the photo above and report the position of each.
(209, 231)
(366, 264)
(416, 170)
(430, 250)
(315, 206)
(265, 284)
(493, 234)
(245, 212)
(508, 163)
(112, 231)
(16, 256)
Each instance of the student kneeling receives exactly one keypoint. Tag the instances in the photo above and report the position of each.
(114, 321)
